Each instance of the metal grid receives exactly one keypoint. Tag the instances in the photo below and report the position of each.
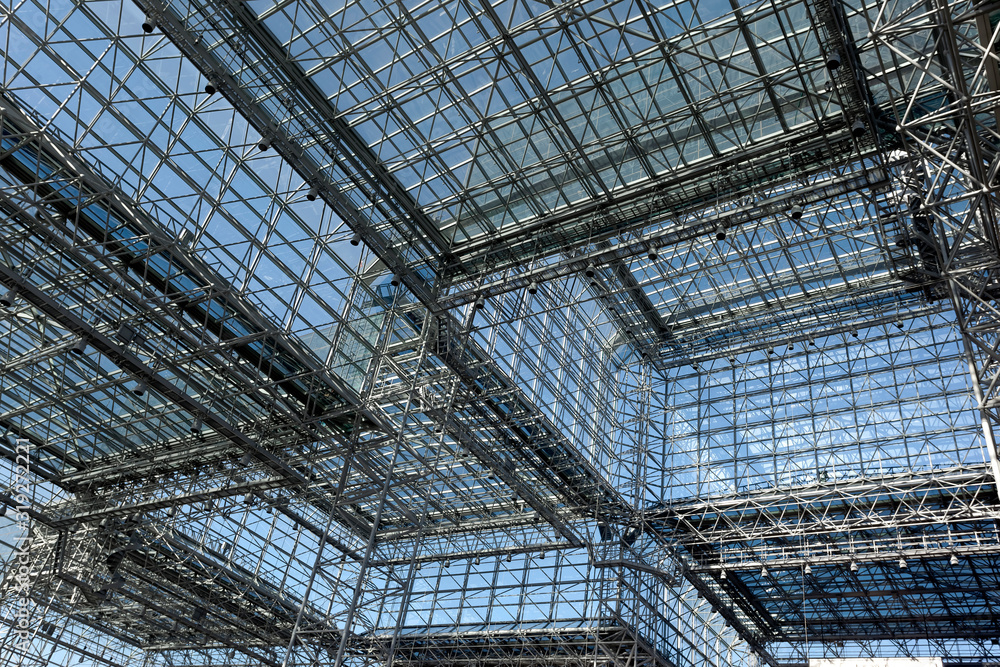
(511, 333)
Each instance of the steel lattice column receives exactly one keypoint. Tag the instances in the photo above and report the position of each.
(939, 64)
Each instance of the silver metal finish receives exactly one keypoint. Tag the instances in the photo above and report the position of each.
(608, 334)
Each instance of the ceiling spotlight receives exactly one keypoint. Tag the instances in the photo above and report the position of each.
(902, 563)
(854, 566)
(447, 563)
(722, 575)
(139, 389)
(833, 61)
(533, 287)
(720, 234)
(770, 350)
(652, 253)
(196, 425)
(763, 571)
(313, 193)
(795, 212)
(477, 560)
(394, 281)
(812, 341)
(248, 499)
(356, 239)
(246, 459)
(590, 271)
(854, 333)
(171, 512)
(509, 558)
(953, 560)
(899, 324)
(808, 569)
(858, 128)
(149, 25)
(7, 300)
(480, 303)
(264, 144)
(79, 346)
(791, 346)
(732, 360)
(210, 88)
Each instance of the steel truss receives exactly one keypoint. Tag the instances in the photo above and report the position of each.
(642, 352)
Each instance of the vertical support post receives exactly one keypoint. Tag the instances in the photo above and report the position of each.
(948, 151)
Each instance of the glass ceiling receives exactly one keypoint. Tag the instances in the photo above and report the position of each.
(339, 452)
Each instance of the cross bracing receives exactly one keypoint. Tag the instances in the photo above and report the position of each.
(500, 333)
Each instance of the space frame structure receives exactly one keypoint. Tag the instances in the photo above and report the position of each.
(476, 334)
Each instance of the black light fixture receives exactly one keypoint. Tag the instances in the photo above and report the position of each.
(532, 288)
(509, 558)
(7, 300)
(149, 24)
(854, 333)
(264, 144)
(652, 252)
(858, 128)
(313, 193)
(246, 459)
(720, 234)
(356, 239)
(394, 281)
(248, 499)
(447, 563)
(833, 60)
(480, 303)
(812, 341)
(590, 271)
(210, 88)
(196, 424)
(79, 346)
(139, 389)
(795, 212)
(770, 350)
(899, 324)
